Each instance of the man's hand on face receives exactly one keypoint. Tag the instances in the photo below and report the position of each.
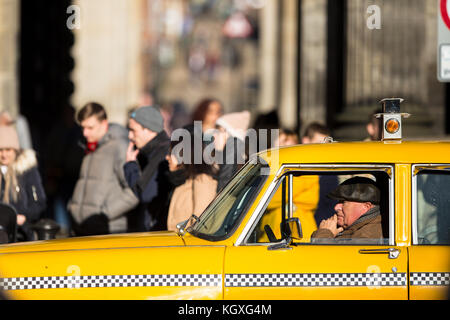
(131, 153)
(331, 224)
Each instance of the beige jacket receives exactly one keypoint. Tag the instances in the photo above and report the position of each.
(192, 197)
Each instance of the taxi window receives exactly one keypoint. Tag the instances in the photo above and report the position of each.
(223, 214)
(311, 205)
(433, 207)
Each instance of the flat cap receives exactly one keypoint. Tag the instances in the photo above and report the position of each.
(357, 189)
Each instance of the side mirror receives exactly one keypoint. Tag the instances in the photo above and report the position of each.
(181, 227)
(292, 228)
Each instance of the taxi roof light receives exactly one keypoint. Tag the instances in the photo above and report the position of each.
(392, 119)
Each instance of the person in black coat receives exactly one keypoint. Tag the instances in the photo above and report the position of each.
(145, 169)
(229, 142)
(317, 132)
(21, 183)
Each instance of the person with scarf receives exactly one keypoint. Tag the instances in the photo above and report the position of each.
(20, 182)
(145, 169)
(229, 141)
(101, 198)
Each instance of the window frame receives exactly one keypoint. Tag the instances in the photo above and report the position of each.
(415, 169)
(287, 168)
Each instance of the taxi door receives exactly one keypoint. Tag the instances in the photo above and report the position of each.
(315, 271)
(429, 254)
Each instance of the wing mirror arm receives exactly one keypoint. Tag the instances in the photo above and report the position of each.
(181, 227)
(284, 244)
(291, 229)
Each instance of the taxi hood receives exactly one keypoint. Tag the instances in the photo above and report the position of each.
(129, 240)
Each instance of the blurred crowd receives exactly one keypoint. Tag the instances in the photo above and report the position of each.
(100, 177)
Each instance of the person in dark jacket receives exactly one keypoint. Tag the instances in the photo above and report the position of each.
(317, 132)
(20, 182)
(229, 142)
(357, 213)
(145, 169)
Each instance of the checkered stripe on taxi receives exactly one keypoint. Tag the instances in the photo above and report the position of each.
(103, 281)
(315, 279)
(430, 278)
(231, 280)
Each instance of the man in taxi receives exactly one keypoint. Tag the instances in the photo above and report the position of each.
(357, 212)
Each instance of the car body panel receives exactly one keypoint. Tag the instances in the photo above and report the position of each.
(97, 242)
(314, 272)
(429, 272)
(148, 271)
(402, 204)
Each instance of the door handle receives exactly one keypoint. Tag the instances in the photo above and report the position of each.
(392, 252)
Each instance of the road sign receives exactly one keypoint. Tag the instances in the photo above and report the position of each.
(443, 48)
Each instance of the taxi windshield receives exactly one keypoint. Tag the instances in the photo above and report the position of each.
(221, 217)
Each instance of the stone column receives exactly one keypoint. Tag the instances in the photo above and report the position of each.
(289, 68)
(313, 61)
(9, 32)
(107, 53)
(268, 56)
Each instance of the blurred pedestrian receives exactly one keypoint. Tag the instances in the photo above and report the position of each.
(305, 194)
(316, 132)
(180, 116)
(199, 189)
(174, 116)
(62, 160)
(22, 127)
(145, 166)
(373, 127)
(229, 142)
(265, 124)
(286, 137)
(208, 111)
(101, 198)
(20, 183)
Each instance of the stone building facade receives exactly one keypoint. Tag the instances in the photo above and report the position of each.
(316, 60)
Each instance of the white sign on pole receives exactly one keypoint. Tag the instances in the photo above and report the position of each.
(443, 52)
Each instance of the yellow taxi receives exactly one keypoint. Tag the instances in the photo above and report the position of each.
(254, 240)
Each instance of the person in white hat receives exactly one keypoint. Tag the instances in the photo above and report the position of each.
(230, 141)
(20, 181)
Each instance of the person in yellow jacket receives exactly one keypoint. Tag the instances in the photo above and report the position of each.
(305, 199)
(306, 189)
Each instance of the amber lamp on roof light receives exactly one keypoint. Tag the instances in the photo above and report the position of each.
(392, 126)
